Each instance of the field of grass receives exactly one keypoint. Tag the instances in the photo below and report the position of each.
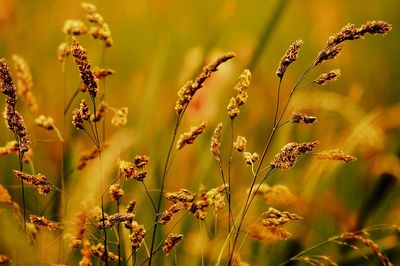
(226, 132)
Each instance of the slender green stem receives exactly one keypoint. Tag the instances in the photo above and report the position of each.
(150, 198)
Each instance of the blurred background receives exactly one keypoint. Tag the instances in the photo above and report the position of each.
(158, 45)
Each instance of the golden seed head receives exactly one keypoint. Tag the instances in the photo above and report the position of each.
(99, 252)
(289, 57)
(102, 73)
(216, 142)
(171, 242)
(335, 155)
(300, 117)
(326, 77)
(186, 93)
(85, 251)
(24, 82)
(141, 161)
(288, 155)
(328, 54)
(45, 122)
(84, 109)
(233, 108)
(74, 27)
(375, 27)
(63, 51)
(99, 28)
(120, 117)
(240, 144)
(114, 219)
(130, 171)
(190, 137)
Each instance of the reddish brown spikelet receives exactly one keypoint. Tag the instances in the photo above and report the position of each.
(328, 54)
(273, 220)
(375, 27)
(348, 32)
(114, 219)
(102, 73)
(326, 77)
(288, 155)
(85, 251)
(289, 57)
(171, 242)
(43, 222)
(190, 137)
(186, 93)
(141, 161)
(176, 207)
(335, 155)
(99, 252)
(81, 60)
(84, 109)
(37, 181)
(77, 119)
(130, 171)
(101, 110)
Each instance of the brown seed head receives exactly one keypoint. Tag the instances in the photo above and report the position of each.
(77, 119)
(81, 60)
(289, 57)
(241, 94)
(181, 196)
(186, 93)
(171, 242)
(37, 181)
(85, 251)
(4, 259)
(99, 252)
(84, 109)
(328, 54)
(190, 137)
(114, 219)
(116, 192)
(375, 27)
(250, 158)
(120, 117)
(288, 155)
(9, 148)
(102, 73)
(326, 77)
(130, 171)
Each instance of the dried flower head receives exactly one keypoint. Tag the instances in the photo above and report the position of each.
(43, 222)
(141, 161)
(375, 27)
(81, 60)
(63, 51)
(99, 252)
(288, 155)
(24, 82)
(216, 142)
(116, 192)
(120, 117)
(99, 28)
(186, 93)
(9, 148)
(137, 236)
(300, 117)
(273, 220)
(289, 57)
(45, 122)
(240, 144)
(171, 242)
(182, 196)
(348, 32)
(74, 27)
(84, 109)
(190, 137)
(241, 94)
(37, 181)
(335, 155)
(167, 215)
(326, 77)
